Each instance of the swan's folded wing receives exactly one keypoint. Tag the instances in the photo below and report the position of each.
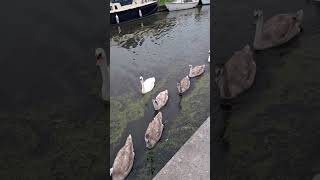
(159, 129)
(185, 83)
(119, 162)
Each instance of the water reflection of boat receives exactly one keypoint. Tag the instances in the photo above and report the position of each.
(181, 4)
(125, 11)
(196, 12)
(132, 34)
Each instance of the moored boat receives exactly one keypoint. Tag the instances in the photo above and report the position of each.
(121, 12)
(181, 4)
(205, 2)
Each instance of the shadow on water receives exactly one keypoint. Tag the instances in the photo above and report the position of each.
(271, 132)
(162, 46)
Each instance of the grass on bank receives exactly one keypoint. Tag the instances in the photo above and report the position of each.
(161, 2)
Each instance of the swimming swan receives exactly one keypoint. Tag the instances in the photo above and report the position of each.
(237, 74)
(183, 85)
(104, 69)
(196, 71)
(147, 85)
(154, 131)
(123, 162)
(277, 30)
(160, 100)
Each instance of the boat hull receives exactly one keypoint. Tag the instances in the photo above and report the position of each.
(132, 14)
(180, 6)
(205, 2)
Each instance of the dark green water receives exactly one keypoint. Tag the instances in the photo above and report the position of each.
(161, 46)
(52, 120)
(272, 131)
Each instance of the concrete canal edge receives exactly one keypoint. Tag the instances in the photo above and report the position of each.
(192, 161)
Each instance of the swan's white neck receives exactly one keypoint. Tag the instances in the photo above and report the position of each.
(259, 26)
(104, 70)
(111, 170)
(142, 85)
(104, 73)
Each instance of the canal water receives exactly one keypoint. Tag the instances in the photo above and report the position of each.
(272, 131)
(52, 118)
(160, 46)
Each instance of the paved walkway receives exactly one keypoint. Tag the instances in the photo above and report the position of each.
(192, 161)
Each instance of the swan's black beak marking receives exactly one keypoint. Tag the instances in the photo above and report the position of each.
(99, 59)
(99, 56)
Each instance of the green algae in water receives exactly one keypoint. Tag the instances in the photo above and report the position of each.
(57, 149)
(195, 108)
(127, 108)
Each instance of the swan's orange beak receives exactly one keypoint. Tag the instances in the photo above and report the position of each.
(99, 59)
(99, 62)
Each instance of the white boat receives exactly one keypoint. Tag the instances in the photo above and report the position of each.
(205, 2)
(121, 11)
(181, 4)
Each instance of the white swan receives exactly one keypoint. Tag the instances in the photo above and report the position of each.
(147, 85)
(104, 69)
(160, 100)
(196, 71)
(123, 162)
(209, 56)
(154, 131)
